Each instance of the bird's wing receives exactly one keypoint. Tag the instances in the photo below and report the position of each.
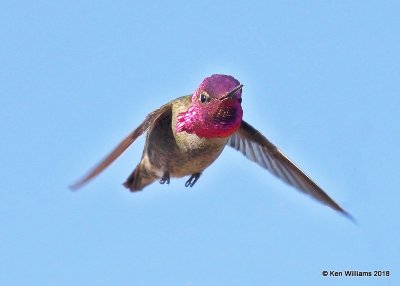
(142, 128)
(257, 148)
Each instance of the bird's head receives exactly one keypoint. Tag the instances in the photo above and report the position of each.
(216, 109)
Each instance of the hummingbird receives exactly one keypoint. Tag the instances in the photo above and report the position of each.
(186, 135)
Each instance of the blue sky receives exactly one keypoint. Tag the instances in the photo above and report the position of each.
(321, 80)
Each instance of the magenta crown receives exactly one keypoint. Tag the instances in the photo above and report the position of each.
(217, 85)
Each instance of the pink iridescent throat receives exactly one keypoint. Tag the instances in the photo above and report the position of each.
(223, 121)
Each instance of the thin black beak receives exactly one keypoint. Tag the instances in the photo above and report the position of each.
(231, 93)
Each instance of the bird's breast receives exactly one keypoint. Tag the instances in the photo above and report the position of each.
(190, 142)
(180, 153)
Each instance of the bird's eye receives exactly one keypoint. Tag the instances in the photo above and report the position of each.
(204, 98)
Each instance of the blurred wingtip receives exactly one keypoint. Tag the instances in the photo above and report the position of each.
(351, 218)
(75, 186)
(348, 216)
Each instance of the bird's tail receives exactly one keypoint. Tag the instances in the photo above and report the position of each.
(139, 179)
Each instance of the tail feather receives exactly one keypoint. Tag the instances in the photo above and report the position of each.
(139, 179)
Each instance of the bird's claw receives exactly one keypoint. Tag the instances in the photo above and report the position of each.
(165, 178)
(192, 180)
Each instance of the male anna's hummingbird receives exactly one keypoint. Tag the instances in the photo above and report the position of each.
(186, 135)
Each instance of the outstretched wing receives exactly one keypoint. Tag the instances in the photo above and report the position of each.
(142, 128)
(257, 148)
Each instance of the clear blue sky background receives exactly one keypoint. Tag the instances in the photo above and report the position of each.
(321, 80)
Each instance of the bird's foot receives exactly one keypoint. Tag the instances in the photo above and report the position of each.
(165, 178)
(192, 180)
